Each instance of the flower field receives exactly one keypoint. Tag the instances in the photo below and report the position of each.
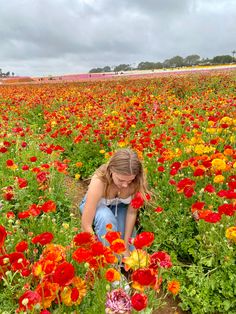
(183, 126)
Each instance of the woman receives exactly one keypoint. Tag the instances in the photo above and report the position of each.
(109, 196)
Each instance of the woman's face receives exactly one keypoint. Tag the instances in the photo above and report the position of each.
(121, 180)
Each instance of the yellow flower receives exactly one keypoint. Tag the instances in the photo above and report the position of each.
(219, 179)
(227, 120)
(218, 164)
(231, 233)
(137, 259)
(102, 151)
(65, 225)
(77, 176)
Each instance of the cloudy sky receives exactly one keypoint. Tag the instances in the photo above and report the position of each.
(50, 37)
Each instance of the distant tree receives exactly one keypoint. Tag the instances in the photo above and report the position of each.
(96, 70)
(192, 60)
(222, 59)
(146, 66)
(233, 53)
(122, 67)
(107, 69)
(176, 61)
(158, 65)
(12, 73)
(8, 73)
(167, 63)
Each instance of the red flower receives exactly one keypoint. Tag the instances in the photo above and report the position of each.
(111, 236)
(24, 214)
(158, 209)
(227, 209)
(188, 191)
(81, 255)
(33, 159)
(145, 277)
(212, 217)
(144, 239)
(84, 239)
(137, 201)
(161, 259)
(28, 300)
(18, 261)
(198, 206)
(21, 246)
(43, 238)
(209, 188)
(34, 210)
(139, 301)
(22, 183)
(3, 235)
(229, 194)
(10, 215)
(41, 177)
(49, 206)
(64, 274)
(74, 294)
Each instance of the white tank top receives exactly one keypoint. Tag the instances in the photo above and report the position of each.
(115, 201)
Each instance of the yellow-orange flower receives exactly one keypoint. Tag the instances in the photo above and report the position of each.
(137, 259)
(231, 233)
(218, 164)
(112, 275)
(219, 179)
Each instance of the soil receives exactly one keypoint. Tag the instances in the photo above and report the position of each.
(75, 192)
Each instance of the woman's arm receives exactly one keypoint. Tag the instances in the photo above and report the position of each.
(129, 226)
(95, 193)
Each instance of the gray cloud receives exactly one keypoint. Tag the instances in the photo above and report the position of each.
(42, 37)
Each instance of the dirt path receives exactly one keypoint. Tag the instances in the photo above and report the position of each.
(75, 192)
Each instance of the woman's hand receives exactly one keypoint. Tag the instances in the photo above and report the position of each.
(126, 253)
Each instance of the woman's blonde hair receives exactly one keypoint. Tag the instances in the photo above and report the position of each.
(126, 162)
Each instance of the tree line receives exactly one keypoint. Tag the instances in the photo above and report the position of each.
(7, 74)
(175, 62)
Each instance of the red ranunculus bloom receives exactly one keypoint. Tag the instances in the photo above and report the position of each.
(42, 176)
(145, 277)
(28, 300)
(161, 259)
(21, 246)
(81, 255)
(43, 238)
(49, 206)
(34, 210)
(227, 209)
(18, 261)
(64, 274)
(84, 239)
(139, 301)
(209, 188)
(137, 201)
(33, 159)
(144, 239)
(212, 217)
(111, 236)
(22, 183)
(23, 215)
(3, 235)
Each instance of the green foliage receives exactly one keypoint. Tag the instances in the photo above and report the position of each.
(89, 154)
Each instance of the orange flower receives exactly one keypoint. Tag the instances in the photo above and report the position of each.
(173, 286)
(112, 275)
(118, 246)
